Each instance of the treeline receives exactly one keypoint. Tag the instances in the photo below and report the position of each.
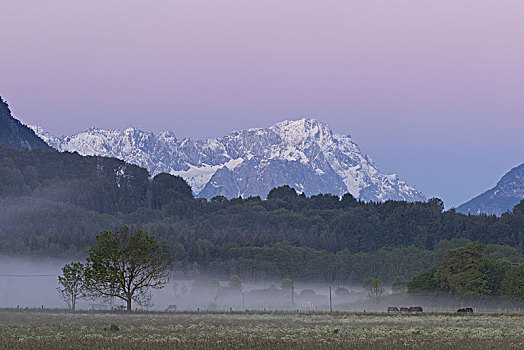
(468, 272)
(55, 203)
(283, 260)
(325, 222)
(100, 184)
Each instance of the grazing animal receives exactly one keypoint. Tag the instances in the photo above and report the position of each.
(392, 309)
(415, 309)
(467, 310)
(404, 309)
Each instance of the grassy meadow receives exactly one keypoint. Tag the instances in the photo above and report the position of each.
(47, 329)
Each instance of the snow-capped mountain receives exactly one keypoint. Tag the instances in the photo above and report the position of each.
(304, 154)
(508, 192)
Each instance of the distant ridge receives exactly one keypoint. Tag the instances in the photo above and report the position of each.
(15, 134)
(304, 154)
(508, 192)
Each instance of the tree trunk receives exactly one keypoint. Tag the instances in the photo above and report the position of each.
(129, 304)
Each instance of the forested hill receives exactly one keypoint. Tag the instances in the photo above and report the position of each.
(15, 134)
(104, 185)
(55, 203)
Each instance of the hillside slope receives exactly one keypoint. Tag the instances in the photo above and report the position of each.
(508, 192)
(15, 134)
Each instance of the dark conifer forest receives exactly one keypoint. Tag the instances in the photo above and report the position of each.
(54, 204)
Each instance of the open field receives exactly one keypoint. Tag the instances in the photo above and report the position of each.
(44, 329)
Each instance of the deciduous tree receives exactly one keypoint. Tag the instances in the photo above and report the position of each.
(72, 284)
(126, 264)
(399, 284)
(374, 289)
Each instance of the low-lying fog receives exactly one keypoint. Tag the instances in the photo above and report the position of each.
(32, 283)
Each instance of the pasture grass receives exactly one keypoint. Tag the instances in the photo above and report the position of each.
(57, 329)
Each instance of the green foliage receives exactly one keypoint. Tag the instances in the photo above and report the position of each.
(512, 286)
(374, 289)
(104, 185)
(399, 284)
(463, 271)
(219, 199)
(460, 268)
(283, 192)
(499, 252)
(424, 282)
(16, 134)
(72, 284)
(112, 328)
(126, 264)
(348, 201)
(487, 281)
(164, 187)
(437, 203)
(54, 203)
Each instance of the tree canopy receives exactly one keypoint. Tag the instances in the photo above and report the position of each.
(467, 271)
(72, 284)
(54, 204)
(125, 264)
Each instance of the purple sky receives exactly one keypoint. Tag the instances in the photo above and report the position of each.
(432, 90)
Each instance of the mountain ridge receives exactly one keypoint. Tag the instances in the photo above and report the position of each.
(507, 193)
(17, 135)
(305, 154)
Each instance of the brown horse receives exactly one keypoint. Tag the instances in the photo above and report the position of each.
(415, 309)
(467, 310)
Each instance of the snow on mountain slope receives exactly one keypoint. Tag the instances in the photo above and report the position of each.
(508, 192)
(304, 154)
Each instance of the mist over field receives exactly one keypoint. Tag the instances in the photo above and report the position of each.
(29, 282)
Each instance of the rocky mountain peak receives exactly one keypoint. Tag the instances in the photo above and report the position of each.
(296, 131)
(508, 192)
(305, 154)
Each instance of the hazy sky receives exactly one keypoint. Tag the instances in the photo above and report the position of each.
(432, 90)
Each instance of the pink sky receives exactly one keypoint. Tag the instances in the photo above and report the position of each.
(432, 90)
